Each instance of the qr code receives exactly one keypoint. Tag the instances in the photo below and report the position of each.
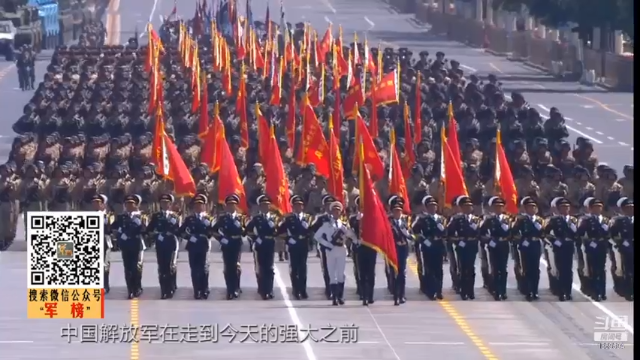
(65, 249)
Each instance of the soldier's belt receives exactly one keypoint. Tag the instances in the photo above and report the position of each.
(300, 237)
(235, 236)
(401, 243)
(532, 239)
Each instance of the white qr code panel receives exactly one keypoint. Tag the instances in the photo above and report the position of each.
(65, 249)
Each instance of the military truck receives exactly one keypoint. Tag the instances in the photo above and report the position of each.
(26, 26)
(7, 39)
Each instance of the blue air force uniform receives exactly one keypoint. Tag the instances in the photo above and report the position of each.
(463, 231)
(229, 230)
(621, 251)
(262, 231)
(495, 233)
(164, 229)
(561, 233)
(402, 237)
(429, 229)
(318, 222)
(197, 229)
(129, 229)
(295, 229)
(364, 259)
(527, 233)
(592, 248)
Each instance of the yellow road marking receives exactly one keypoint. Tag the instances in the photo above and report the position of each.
(604, 106)
(459, 320)
(135, 324)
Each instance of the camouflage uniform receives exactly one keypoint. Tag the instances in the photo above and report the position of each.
(59, 190)
(9, 209)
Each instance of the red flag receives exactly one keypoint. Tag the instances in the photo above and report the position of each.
(450, 173)
(263, 135)
(417, 114)
(372, 159)
(373, 122)
(387, 90)
(203, 122)
(397, 185)
(241, 109)
(277, 187)
(375, 230)
(452, 137)
(336, 177)
(229, 181)
(503, 178)
(409, 157)
(212, 141)
(314, 148)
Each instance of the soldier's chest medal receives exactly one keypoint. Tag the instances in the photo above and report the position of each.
(304, 224)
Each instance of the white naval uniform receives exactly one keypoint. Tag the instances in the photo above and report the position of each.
(336, 255)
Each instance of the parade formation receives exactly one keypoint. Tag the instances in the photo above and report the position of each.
(273, 132)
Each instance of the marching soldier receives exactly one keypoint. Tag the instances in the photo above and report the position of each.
(429, 228)
(561, 233)
(229, 230)
(60, 189)
(592, 248)
(320, 219)
(622, 241)
(100, 204)
(494, 232)
(164, 228)
(128, 229)
(332, 236)
(527, 231)
(400, 226)
(197, 229)
(365, 259)
(463, 232)
(9, 206)
(451, 255)
(262, 231)
(295, 229)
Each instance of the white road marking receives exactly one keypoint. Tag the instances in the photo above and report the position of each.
(433, 343)
(371, 23)
(622, 143)
(620, 120)
(572, 128)
(610, 137)
(327, 20)
(384, 336)
(599, 133)
(589, 128)
(588, 106)
(518, 344)
(16, 342)
(333, 10)
(293, 314)
(578, 122)
(468, 68)
(598, 305)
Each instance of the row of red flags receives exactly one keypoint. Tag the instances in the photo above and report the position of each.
(314, 148)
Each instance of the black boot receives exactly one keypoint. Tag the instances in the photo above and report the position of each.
(341, 293)
(334, 294)
(107, 288)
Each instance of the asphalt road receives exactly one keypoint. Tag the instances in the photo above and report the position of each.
(479, 329)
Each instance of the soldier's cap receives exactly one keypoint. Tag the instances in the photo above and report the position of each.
(200, 199)
(624, 201)
(263, 199)
(393, 199)
(591, 201)
(495, 200)
(328, 199)
(454, 202)
(627, 168)
(527, 200)
(337, 205)
(167, 197)
(464, 200)
(554, 201)
(440, 54)
(429, 200)
(232, 199)
(356, 200)
(102, 198)
(563, 202)
(296, 199)
(136, 199)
